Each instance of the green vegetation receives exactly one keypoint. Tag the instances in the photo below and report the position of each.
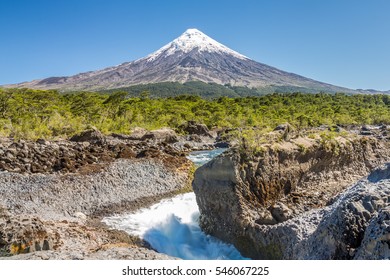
(197, 88)
(27, 113)
(201, 89)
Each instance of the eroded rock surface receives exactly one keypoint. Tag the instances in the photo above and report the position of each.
(29, 237)
(355, 226)
(272, 204)
(50, 191)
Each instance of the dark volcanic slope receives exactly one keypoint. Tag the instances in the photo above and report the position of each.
(191, 57)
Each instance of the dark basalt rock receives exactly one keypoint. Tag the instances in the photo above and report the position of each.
(91, 135)
(223, 145)
(89, 155)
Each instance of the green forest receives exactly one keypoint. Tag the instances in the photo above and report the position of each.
(204, 90)
(33, 114)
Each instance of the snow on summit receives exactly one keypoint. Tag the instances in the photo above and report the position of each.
(190, 40)
(193, 56)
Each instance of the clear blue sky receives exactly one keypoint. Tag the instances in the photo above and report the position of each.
(342, 42)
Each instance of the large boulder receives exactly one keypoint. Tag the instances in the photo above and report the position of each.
(376, 241)
(161, 135)
(90, 135)
(192, 127)
(284, 127)
(137, 133)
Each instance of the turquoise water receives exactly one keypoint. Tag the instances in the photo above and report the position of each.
(171, 226)
(201, 157)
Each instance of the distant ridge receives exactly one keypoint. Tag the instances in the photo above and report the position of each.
(193, 56)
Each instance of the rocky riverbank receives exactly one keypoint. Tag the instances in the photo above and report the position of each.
(291, 197)
(54, 193)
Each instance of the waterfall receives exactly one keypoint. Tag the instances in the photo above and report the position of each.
(171, 226)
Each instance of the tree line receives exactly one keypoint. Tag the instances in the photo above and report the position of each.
(32, 114)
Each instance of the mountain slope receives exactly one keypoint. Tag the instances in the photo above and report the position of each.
(191, 57)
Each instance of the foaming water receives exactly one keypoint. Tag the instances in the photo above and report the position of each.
(171, 226)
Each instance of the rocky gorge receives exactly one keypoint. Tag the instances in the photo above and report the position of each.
(293, 195)
(296, 196)
(53, 194)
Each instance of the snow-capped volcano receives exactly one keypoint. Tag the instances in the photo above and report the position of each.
(193, 39)
(193, 56)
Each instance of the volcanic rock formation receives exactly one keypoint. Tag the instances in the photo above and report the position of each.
(193, 56)
(286, 200)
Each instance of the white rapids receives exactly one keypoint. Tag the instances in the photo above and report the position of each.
(171, 226)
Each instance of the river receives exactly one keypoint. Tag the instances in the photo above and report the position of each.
(171, 226)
